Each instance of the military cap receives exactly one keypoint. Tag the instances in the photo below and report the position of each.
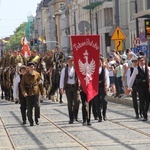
(69, 57)
(22, 67)
(30, 64)
(15, 51)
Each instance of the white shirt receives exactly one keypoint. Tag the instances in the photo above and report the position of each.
(107, 80)
(15, 87)
(133, 76)
(71, 73)
(111, 73)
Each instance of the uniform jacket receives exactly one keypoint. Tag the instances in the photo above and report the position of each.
(32, 84)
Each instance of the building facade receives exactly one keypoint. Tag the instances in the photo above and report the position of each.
(57, 20)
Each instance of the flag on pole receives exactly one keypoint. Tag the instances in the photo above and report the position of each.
(4, 41)
(86, 49)
(25, 47)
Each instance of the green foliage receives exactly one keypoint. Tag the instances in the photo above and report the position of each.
(15, 39)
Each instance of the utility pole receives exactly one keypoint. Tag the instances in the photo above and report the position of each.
(117, 13)
(75, 26)
(136, 20)
(96, 23)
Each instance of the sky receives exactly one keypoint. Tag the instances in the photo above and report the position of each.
(13, 13)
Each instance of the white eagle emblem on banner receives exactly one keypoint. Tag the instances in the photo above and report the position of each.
(87, 69)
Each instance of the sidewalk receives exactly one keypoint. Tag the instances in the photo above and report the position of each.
(124, 101)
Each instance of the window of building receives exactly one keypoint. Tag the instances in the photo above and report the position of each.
(61, 5)
(108, 17)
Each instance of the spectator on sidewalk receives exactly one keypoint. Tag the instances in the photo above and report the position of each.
(111, 67)
(124, 76)
(118, 72)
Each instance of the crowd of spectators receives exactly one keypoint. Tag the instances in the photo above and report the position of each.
(119, 71)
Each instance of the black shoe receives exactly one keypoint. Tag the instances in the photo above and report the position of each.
(76, 119)
(100, 120)
(37, 123)
(96, 118)
(84, 123)
(31, 124)
(88, 124)
(145, 119)
(104, 118)
(137, 117)
(60, 101)
(71, 122)
(24, 122)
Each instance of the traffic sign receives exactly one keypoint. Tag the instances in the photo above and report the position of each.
(144, 49)
(118, 34)
(118, 45)
(142, 37)
(136, 42)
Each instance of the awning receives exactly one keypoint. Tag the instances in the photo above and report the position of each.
(142, 14)
(92, 5)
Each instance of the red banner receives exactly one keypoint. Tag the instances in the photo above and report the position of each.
(86, 50)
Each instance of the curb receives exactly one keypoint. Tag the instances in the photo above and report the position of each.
(123, 101)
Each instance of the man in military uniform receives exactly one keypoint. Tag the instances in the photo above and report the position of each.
(3, 60)
(34, 58)
(31, 87)
(7, 59)
(58, 57)
(49, 59)
(15, 59)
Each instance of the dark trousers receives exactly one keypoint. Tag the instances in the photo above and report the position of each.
(73, 104)
(86, 111)
(144, 98)
(33, 101)
(23, 106)
(120, 86)
(134, 99)
(100, 103)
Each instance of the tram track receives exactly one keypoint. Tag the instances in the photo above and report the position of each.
(83, 145)
(8, 135)
(128, 127)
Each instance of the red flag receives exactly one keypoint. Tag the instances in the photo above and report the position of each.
(25, 47)
(86, 49)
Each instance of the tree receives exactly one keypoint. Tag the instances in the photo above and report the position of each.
(15, 39)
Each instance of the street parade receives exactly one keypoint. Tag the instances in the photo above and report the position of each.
(78, 85)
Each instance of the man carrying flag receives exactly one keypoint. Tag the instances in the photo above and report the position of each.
(25, 47)
(86, 59)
